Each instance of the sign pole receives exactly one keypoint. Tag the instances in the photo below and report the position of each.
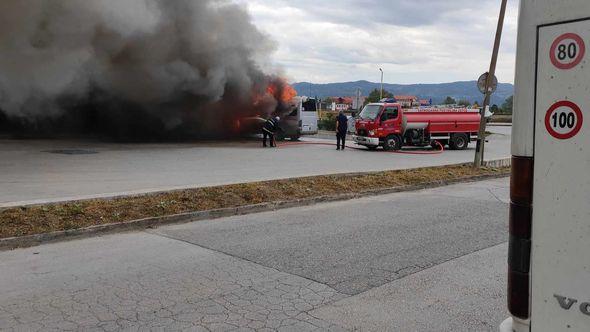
(479, 152)
(358, 100)
(381, 96)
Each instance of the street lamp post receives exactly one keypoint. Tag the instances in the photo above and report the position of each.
(381, 70)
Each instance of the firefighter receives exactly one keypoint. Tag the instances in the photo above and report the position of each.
(341, 130)
(269, 130)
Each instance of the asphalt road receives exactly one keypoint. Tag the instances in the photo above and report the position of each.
(30, 173)
(428, 260)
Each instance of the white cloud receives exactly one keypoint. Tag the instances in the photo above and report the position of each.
(414, 41)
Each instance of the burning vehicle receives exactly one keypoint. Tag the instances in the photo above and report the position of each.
(134, 69)
(300, 119)
(298, 115)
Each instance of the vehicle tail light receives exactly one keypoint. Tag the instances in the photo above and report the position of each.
(519, 251)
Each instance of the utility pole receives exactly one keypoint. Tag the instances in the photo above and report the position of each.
(358, 100)
(481, 139)
(381, 70)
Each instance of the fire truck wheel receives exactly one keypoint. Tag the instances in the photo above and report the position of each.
(392, 143)
(459, 142)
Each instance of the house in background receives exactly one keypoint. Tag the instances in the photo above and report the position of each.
(425, 102)
(407, 101)
(342, 104)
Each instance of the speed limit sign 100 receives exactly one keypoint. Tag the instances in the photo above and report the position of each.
(567, 51)
(564, 120)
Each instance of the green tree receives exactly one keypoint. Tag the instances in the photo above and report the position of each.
(375, 96)
(449, 101)
(328, 100)
(463, 102)
(328, 122)
(508, 105)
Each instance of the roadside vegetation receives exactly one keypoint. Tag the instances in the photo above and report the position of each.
(502, 118)
(327, 122)
(503, 114)
(21, 221)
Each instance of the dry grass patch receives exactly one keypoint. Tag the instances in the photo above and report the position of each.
(30, 220)
(502, 118)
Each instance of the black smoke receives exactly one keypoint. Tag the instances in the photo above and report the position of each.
(131, 69)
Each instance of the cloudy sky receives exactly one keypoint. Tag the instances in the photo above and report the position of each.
(414, 41)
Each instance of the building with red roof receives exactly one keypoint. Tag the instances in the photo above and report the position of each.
(407, 101)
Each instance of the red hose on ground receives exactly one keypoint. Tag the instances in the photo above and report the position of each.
(442, 149)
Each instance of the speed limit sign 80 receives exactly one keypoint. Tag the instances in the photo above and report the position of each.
(567, 51)
(564, 120)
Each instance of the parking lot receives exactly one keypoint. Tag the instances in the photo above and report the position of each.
(39, 171)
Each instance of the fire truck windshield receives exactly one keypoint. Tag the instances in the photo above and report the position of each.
(370, 112)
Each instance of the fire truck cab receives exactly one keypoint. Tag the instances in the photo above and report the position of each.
(549, 250)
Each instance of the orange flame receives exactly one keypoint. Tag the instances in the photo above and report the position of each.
(282, 91)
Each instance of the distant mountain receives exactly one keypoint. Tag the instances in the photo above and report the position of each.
(437, 92)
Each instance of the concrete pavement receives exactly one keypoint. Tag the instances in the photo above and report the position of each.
(353, 246)
(431, 259)
(142, 282)
(459, 295)
(30, 173)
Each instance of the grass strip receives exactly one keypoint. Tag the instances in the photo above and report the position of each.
(502, 118)
(39, 219)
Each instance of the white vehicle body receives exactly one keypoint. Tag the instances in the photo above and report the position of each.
(305, 119)
(549, 255)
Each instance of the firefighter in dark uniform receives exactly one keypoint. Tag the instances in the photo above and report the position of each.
(269, 130)
(341, 130)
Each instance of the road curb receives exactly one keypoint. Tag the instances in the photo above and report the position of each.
(142, 224)
(506, 162)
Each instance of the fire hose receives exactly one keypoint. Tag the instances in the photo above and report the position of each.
(440, 151)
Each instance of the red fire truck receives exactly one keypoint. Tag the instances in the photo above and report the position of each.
(393, 127)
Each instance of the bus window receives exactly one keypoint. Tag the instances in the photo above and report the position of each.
(309, 106)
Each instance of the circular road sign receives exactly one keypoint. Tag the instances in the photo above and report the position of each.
(567, 51)
(564, 120)
(481, 84)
